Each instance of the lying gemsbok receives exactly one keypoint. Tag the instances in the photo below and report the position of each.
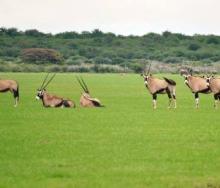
(197, 85)
(12, 86)
(52, 100)
(214, 85)
(160, 86)
(86, 100)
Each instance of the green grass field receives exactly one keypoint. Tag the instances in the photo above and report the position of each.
(126, 144)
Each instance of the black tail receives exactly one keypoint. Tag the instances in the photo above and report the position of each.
(16, 93)
(169, 81)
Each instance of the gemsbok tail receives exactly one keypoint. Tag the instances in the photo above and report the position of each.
(169, 81)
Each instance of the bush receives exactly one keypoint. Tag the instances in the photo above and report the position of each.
(101, 60)
(136, 67)
(212, 40)
(194, 46)
(41, 55)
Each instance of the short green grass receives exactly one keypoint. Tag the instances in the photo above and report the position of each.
(125, 144)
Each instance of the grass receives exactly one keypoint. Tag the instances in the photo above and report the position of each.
(125, 144)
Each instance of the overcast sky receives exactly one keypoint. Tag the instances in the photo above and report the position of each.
(125, 17)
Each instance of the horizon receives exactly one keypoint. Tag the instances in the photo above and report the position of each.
(106, 32)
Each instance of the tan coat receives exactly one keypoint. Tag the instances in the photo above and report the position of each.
(8, 85)
(214, 85)
(54, 101)
(87, 101)
(156, 84)
(197, 84)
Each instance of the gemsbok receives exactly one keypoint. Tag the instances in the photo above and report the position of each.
(12, 86)
(52, 100)
(197, 85)
(160, 86)
(86, 100)
(214, 85)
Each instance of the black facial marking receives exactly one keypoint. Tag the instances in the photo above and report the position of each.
(40, 94)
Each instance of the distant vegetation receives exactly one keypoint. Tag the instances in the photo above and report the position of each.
(95, 51)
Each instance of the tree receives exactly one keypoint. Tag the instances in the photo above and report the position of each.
(10, 31)
(33, 33)
(212, 40)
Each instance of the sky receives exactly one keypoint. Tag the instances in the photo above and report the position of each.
(125, 17)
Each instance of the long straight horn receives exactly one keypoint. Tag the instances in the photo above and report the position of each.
(87, 90)
(49, 80)
(44, 80)
(84, 89)
(148, 70)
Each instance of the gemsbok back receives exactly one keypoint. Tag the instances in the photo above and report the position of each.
(52, 100)
(197, 85)
(160, 86)
(12, 86)
(86, 100)
(214, 85)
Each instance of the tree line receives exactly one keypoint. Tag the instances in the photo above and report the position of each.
(99, 48)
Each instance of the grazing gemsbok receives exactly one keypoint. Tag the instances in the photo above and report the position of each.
(160, 86)
(12, 86)
(86, 100)
(214, 85)
(197, 85)
(52, 100)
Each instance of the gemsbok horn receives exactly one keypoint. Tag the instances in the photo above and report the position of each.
(12, 86)
(52, 100)
(214, 85)
(86, 100)
(197, 85)
(160, 86)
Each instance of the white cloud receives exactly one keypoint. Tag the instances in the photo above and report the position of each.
(122, 17)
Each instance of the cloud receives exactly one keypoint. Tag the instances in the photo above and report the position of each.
(122, 17)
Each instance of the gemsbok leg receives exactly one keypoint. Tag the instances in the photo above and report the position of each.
(174, 97)
(197, 99)
(154, 101)
(16, 96)
(169, 96)
(216, 98)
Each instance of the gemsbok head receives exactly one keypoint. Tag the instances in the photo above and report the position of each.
(197, 85)
(214, 85)
(52, 100)
(86, 100)
(160, 86)
(12, 86)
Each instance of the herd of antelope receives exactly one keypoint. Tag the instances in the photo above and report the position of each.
(197, 84)
(50, 100)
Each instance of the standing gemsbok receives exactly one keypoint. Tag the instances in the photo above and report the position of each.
(214, 85)
(86, 100)
(160, 86)
(197, 85)
(52, 100)
(12, 86)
